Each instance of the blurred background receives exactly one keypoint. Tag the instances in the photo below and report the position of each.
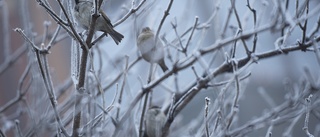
(272, 77)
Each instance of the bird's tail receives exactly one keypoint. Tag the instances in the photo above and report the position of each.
(116, 36)
(163, 65)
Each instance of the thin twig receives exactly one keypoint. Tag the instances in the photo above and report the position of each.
(20, 94)
(206, 112)
(306, 121)
(18, 129)
(166, 13)
(192, 31)
(255, 37)
(122, 87)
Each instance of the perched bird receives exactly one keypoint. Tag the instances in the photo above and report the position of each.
(155, 120)
(82, 13)
(151, 51)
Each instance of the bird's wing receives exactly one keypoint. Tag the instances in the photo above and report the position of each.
(105, 17)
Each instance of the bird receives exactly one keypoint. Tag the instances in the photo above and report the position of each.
(82, 13)
(155, 120)
(151, 51)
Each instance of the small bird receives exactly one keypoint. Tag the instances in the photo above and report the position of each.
(155, 120)
(151, 51)
(82, 14)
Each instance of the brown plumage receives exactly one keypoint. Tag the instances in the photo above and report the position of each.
(82, 13)
(150, 51)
